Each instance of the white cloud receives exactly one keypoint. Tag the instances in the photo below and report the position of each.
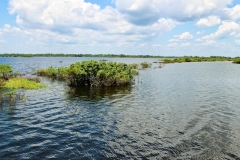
(143, 12)
(186, 36)
(200, 32)
(234, 13)
(181, 37)
(225, 30)
(209, 21)
(78, 20)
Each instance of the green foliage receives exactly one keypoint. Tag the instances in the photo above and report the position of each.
(5, 69)
(135, 65)
(237, 61)
(168, 61)
(145, 65)
(92, 73)
(18, 83)
(197, 59)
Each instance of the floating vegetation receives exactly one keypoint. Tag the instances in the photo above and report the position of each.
(92, 73)
(11, 98)
(23, 83)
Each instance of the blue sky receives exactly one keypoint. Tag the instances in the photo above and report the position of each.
(147, 27)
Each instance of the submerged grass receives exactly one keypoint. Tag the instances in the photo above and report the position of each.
(11, 98)
(22, 83)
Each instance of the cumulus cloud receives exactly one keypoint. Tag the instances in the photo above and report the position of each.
(78, 20)
(181, 37)
(186, 36)
(226, 29)
(145, 12)
(209, 21)
(234, 13)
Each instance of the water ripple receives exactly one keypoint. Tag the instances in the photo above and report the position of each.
(181, 111)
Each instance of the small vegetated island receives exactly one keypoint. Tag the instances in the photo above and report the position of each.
(92, 73)
(10, 81)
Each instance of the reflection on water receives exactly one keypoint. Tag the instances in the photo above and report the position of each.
(97, 93)
(181, 111)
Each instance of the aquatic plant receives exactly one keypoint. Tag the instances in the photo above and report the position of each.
(11, 98)
(134, 65)
(24, 83)
(145, 65)
(92, 73)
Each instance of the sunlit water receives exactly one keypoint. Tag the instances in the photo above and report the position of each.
(179, 111)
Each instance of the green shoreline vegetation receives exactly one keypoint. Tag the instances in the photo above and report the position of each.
(199, 59)
(237, 61)
(92, 73)
(193, 58)
(10, 82)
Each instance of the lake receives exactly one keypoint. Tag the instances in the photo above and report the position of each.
(179, 111)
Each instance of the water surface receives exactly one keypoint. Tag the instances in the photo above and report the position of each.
(180, 111)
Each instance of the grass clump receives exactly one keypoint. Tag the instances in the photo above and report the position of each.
(145, 65)
(22, 83)
(92, 73)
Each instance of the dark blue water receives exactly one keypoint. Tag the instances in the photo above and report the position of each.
(179, 111)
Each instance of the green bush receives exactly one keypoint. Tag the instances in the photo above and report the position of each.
(237, 61)
(5, 69)
(92, 73)
(169, 60)
(145, 65)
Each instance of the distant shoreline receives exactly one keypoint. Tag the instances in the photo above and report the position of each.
(109, 56)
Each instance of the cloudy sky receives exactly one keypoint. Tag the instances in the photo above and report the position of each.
(149, 27)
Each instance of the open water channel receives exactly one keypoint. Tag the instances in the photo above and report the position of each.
(179, 111)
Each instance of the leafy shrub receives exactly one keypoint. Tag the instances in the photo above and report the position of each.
(145, 65)
(135, 65)
(5, 69)
(237, 61)
(92, 73)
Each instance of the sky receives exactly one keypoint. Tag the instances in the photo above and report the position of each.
(133, 27)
